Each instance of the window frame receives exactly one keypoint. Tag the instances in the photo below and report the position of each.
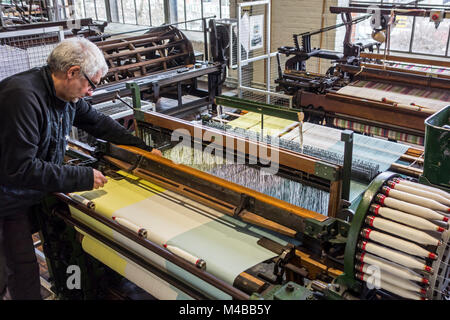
(121, 14)
(413, 27)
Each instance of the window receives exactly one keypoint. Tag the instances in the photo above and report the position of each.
(141, 12)
(197, 9)
(152, 13)
(411, 34)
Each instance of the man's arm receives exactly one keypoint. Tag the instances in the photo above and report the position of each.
(104, 127)
(20, 125)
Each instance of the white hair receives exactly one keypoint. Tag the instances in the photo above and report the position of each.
(77, 51)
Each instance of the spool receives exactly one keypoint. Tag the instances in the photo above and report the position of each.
(88, 203)
(399, 242)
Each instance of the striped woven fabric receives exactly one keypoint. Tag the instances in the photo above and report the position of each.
(441, 95)
(362, 128)
(433, 99)
(422, 68)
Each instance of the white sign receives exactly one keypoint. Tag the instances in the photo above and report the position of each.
(256, 32)
(244, 32)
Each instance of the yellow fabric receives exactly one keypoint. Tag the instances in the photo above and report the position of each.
(252, 122)
(104, 254)
(246, 121)
(174, 219)
(115, 195)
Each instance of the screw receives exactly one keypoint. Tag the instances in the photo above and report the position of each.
(290, 287)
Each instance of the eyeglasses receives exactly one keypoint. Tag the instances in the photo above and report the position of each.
(92, 84)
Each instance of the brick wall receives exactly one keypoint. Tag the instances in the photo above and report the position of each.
(297, 16)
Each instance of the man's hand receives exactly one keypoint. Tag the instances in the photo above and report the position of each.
(99, 179)
(157, 152)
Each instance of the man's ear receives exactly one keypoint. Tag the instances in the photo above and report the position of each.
(73, 72)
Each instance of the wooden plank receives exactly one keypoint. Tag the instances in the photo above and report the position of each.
(410, 169)
(396, 76)
(141, 50)
(423, 73)
(368, 110)
(124, 43)
(265, 223)
(411, 158)
(252, 278)
(335, 198)
(233, 187)
(312, 264)
(147, 63)
(441, 62)
(285, 157)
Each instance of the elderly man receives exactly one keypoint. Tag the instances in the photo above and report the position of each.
(39, 107)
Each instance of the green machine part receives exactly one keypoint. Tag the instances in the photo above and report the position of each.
(348, 278)
(436, 167)
(135, 93)
(288, 291)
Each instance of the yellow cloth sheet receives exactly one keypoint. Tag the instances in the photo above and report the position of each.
(228, 246)
(252, 122)
(159, 288)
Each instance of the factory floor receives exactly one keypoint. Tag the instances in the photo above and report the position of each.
(125, 290)
(46, 292)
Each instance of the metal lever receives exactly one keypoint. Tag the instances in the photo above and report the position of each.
(347, 137)
(117, 96)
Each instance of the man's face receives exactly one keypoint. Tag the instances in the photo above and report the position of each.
(77, 85)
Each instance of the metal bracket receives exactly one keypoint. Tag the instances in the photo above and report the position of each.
(283, 259)
(347, 137)
(323, 170)
(243, 204)
(136, 93)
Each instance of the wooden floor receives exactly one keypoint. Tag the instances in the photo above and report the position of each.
(125, 290)
(46, 292)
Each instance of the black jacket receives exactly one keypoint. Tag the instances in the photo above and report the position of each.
(34, 126)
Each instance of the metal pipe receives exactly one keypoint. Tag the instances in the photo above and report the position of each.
(347, 137)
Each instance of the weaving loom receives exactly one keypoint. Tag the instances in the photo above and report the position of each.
(176, 221)
(258, 204)
(378, 153)
(216, 229)
(379, 94)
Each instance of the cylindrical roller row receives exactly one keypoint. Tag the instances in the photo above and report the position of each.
(389, 287)
(423, 187)
(412, 198)
(200, 263)
(88, 203)
(395, 256)
(390, 267)
(420, 192)
(410, 208)
(397, 243)
(405, 218)
(402, 231)
(387, 277)
(142, 232)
